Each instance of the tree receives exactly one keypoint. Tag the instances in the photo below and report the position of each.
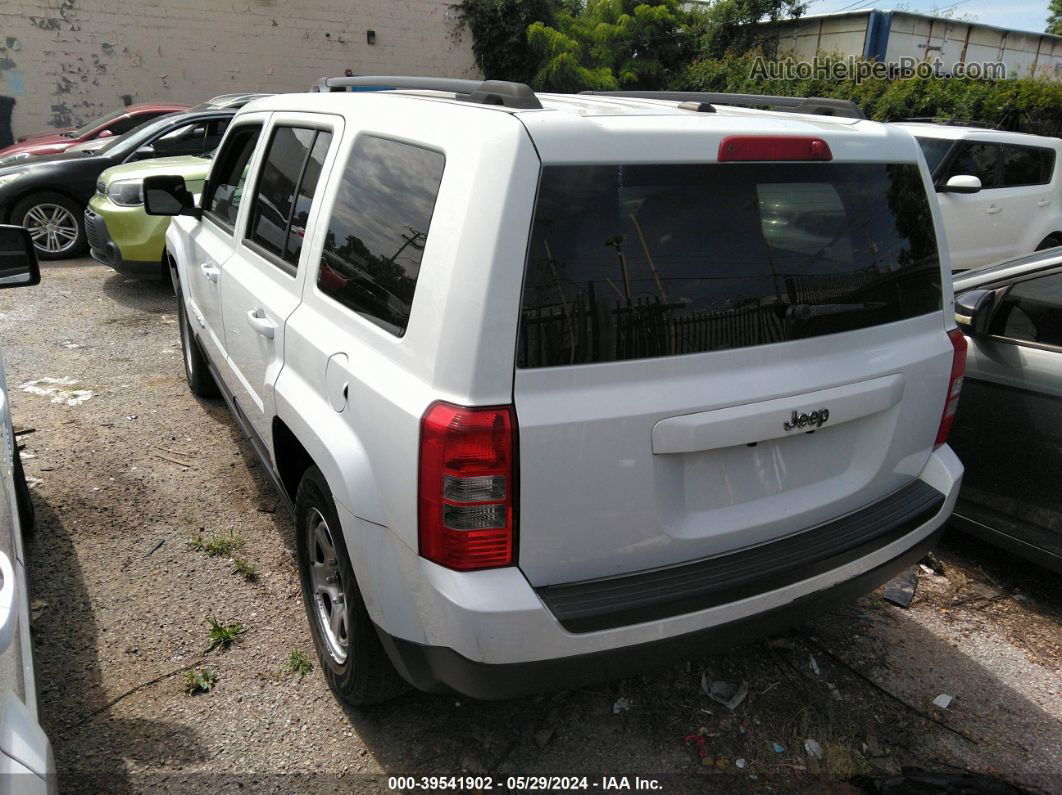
(611, 44)
(734, 27)
(499, 35)
(1054, 22)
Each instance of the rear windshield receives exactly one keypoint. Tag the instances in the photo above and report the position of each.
(631, 262)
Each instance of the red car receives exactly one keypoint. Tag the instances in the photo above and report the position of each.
(118, 123)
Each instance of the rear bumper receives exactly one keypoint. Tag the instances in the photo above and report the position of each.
(441, 669)
(489, 634)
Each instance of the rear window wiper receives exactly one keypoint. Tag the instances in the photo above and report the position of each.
(808, 311)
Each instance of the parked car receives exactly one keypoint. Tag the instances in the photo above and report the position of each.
(1008, 430)
(26, 764)
(119, 232)
(549, 403)
(48, 195)
(1000, 192)
(234, 101)
(52, 142)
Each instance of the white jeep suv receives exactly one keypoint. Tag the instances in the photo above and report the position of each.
(559, 386)
(1000, 192)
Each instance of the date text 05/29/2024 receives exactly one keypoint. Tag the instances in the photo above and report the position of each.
(523, 783)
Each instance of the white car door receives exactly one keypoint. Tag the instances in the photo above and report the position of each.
(1030, 206)
(973, 221)
(211, 242)
(262, 284)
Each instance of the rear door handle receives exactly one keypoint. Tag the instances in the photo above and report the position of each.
(210, 271)
(260, 323)
(1043, 202)
(993, 209)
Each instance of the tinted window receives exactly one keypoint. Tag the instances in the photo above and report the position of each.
(311, 174)
(378, 230)
(975, 160)
(934, 150)
(275, 200)
(1027, 165)
(229, 174)
(191, 139)
(629, 262)
(1032, 311)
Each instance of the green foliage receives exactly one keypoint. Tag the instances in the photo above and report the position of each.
(499, 35)
(1054, 22)
(223, 635)
(1024, 103)
(245, 569)
(608, 45)
(218, 546)
(298, 663)
(199, 680)
(729, 26)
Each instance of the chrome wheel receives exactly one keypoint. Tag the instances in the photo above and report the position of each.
(52, 227)
(326, 586)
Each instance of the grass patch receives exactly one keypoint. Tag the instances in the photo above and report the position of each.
(298, 663)
(223, 635)
(245, 569)
(219, 546)
(199, 680)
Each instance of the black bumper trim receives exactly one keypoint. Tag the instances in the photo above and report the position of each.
(612, 602)
(105, 251)
(438, 669)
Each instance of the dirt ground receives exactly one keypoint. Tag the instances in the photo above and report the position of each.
(132, 469)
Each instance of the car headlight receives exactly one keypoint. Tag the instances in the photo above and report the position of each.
(6, 161)
(126, 192)
(6, 178)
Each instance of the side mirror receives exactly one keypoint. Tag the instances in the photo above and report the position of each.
(973, 311)
(167, 195)
(961, 183)
(145, 152)
(18, 258)
(106, 134)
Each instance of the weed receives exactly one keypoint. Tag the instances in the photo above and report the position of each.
(218, 546)
(199, 680)
(223, 635)
(245, 569)
(298, 663)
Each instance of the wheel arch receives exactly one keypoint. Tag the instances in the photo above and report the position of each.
(1057, 235)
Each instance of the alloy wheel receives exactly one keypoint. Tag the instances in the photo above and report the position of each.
(326, 585)
(52, 227)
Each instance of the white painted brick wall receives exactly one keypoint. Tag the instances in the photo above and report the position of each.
(68, 61)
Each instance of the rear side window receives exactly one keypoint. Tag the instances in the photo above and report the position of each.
(629, 262)
(379, 226)
(286, 187)
(975, 160)
(1027, 165)
(228, 175)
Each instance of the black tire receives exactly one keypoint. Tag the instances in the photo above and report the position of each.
(27, 515)
(1049, 242)
(364, 675)
(45, 203)
(200, 379)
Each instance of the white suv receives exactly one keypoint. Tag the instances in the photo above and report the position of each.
(560, 387)
(1000, 192)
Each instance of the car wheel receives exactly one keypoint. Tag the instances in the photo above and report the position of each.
(55, 223)
(196, 370)
(1049, 242)
(353, 659)
(27, 515)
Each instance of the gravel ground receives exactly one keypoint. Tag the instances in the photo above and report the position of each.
(133, 469)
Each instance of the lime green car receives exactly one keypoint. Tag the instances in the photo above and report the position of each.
(120, 233)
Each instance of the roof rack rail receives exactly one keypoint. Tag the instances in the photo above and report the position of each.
(987, 125)
(483, 92)
(821, 106)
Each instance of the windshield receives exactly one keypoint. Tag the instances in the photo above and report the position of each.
(123, 144)
(92, 125)
(638, 261)
(934, 149)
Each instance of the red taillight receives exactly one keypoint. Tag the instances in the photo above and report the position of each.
(467, 486)
(951, 403)
(771, 147)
